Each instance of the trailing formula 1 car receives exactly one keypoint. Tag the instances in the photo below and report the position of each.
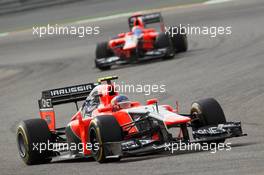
(109, 126)
(142, 42)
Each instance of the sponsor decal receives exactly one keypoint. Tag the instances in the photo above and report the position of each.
(71, 90)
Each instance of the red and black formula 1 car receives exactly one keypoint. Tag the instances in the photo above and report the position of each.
(109, 126)
(142, 42)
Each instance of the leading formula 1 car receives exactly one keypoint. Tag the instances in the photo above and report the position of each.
(114, 127)
(142, 42)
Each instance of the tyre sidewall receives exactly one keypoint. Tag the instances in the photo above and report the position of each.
(32, 136)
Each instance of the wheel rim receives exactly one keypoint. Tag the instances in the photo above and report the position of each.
(21, 145)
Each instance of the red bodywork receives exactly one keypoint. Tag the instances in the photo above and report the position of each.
(121, 48)
(80, 124)
(148, 37)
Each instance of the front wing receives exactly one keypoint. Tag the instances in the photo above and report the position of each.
(203, 135)
(115, 60)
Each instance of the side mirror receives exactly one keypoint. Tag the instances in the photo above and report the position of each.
(152, 101)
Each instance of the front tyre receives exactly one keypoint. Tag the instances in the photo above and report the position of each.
(30, 135)
(102, 51)
(179, 40)
(164, 41)
(207, 112)
(101, 130)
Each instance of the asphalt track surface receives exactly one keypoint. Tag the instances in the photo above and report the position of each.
(229, 68)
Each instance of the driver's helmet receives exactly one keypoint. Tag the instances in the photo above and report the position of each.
(120, 102)
(137, 31)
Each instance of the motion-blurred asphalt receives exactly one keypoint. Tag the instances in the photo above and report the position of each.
(228, 67)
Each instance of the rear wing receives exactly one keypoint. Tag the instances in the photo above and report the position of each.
(64, 95)
(58, 96)
(147, 19)
(70, 94)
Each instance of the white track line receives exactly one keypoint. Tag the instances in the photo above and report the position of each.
(216, 1)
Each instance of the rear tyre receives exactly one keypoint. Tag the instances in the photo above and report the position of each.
(164, 41)
(103, 129)
(179, 40)
(30, 134)
(207, 112)
(102, 51)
